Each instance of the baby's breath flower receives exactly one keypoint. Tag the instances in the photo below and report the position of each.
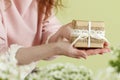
(62, 71)
(8, 70)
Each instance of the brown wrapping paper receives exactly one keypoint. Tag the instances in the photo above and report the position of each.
(83, 25)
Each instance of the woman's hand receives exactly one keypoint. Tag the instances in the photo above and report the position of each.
(65, 32)
(65, 48)
(106, 49)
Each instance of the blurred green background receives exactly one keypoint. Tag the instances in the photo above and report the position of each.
(96, 10)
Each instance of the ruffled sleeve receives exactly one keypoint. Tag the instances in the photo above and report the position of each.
(24, 70)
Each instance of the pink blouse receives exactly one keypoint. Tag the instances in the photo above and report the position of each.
(19, 24)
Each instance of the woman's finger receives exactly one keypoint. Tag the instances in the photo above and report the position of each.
(106, 44)
(105, 50)
(65, 31)
(97, 51)
(80, 53)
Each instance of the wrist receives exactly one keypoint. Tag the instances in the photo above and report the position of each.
(57, 48)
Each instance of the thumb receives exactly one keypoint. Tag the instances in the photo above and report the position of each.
(66, 31)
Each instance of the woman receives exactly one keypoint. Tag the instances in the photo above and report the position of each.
(25, 27)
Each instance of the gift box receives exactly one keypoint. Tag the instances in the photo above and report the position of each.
(88, 34)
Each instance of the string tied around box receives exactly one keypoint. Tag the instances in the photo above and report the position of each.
(83, 34)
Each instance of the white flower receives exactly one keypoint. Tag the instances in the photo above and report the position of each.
(8, 69)
(63, 72)
(108, 74)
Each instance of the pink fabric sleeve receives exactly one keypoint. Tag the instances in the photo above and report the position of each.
(3, 37)
(50, 26)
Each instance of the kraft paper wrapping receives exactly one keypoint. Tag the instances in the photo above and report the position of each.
(83, 25)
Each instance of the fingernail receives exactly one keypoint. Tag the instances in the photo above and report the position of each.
(84, 57)
(101, 53)
(85, 54)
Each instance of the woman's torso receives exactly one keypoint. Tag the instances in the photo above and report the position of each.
(20, 21)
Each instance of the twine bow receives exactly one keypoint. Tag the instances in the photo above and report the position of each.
(83, 34)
